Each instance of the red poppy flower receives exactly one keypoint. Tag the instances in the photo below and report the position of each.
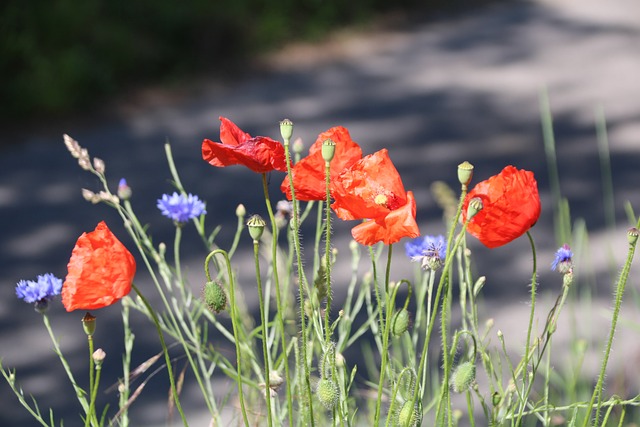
(309, 173)
(100, 271)
(260, 154)
(372, 189)
(511, 206)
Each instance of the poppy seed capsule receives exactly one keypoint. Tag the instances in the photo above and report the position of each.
(328, 150)
(632, 235)
(328, 393)
(400, 322)
(286, 130)
(89, 323)
(465, 173)
(463, 376)
(475, 206)
(409, 415)
(214, 297)
(256, 227)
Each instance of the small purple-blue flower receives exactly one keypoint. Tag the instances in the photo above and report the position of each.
(40, 291)
(430, 250)
(180, 207)
(563, 260)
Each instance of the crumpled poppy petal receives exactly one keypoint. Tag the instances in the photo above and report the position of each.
(309, 173)
(511, 206)
(230, 133)
(100, 271)
(260, 154)
(370, 188)
(390, 229)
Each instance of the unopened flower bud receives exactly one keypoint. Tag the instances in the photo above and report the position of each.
(475, 206)
(98, 356)
(88, 195)
(400, 322)
(462, 377)
(328, 150)
(632, 235)
(328, 392)
(214, 297)
(89, 323)
(241, 211)
(256, 227)
(275, 380)
(409, 415)
(72, 145)
(124, 191)
(496, 398)
(98, 165)
(298, 145)
(465, 173)
(286, 130)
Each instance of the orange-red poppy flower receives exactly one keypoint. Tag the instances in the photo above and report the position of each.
(371, 189)
(309, 173)
(511, 206)
(100, 271)
(260, 154)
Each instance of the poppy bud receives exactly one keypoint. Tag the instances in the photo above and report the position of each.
(410, 415)
(328, 392)
(632, 235)
(256, 227)
(241, 211)
(463, 376)
(214, 297)
(286, 130)
(298, 146)
(89, 323)
(98, 356)
(400, 322)
(328, 150)
(465, 173)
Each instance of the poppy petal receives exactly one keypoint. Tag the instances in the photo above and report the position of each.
(260, 154)
(100, 271)
(230, 133)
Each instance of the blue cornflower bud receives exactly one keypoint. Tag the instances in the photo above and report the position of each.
(180, 207)
(562, 261)
(39, 292)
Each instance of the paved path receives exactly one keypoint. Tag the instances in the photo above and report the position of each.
(435, 94)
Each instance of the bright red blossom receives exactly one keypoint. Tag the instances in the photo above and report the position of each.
(260, 154)
(100, 271)
(309, 173)
(511, 206)
(372, 189)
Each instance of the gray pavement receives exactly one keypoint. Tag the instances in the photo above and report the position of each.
(433, 93)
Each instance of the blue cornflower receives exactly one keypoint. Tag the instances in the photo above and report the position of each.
(39, 292)
(562, 261)
(181, 208)
(430, 250)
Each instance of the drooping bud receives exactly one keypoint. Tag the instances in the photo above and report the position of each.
(409, 415)
(400, 322)
(465, 173)
(462, 377)
(286, 130)
(328, 150)
(256, 227)
(215, 297)
(89, 323)
(475, 206)
(124, 191)
(328, 392)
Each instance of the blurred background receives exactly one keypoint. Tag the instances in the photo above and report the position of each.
(435, 83)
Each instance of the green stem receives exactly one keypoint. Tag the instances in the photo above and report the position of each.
(263, 321)
(234, 323)
(327, 309)
(622, 282)
(91, 416)
(523, 402)
(302, 282)
(385, 328)
(281, 308)
(154, 317)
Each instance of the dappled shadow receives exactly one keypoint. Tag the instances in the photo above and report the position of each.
(435, 94)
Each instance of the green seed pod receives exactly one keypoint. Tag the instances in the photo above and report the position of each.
(214, 297)
(286, 130)
(328, 150)
(463, 376)
(328, 392)
(409, 416)
(400, 322)
(465, 173)
(256, 227)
